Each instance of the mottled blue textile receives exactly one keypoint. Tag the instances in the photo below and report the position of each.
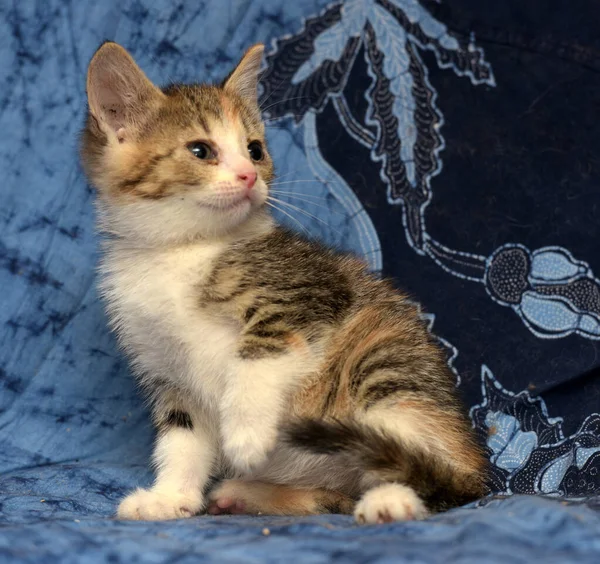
(451, 144)
(518, 529)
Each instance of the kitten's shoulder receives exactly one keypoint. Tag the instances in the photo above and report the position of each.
(285, 246)
(282, 258)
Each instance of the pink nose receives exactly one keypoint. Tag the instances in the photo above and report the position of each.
(248, 177)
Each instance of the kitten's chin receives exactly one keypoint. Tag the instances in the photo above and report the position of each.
(241, 221)
(178, 221)
(217, 221)
(221, 217)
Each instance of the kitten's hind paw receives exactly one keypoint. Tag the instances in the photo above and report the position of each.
(231, 497)
(151, 505)
(387, 503)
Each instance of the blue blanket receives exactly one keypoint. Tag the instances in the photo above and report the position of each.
(450, 144)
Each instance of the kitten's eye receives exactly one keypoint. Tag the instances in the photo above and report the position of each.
(201, 150)
(256, 151)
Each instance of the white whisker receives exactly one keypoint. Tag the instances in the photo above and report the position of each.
(310, 196)
(300, 210)
(267, 121)
(288, 173)
(272, 92)
(293, 181)
(288, 215)
(313, 203)
(282, 101)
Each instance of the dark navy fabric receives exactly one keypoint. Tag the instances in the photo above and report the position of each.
(453, 145)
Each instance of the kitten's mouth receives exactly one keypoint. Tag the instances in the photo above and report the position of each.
(230, 206)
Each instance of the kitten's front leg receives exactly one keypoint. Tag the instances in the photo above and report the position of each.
(184, 456)
(251, 408)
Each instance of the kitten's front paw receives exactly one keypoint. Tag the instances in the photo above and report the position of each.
(150, 505)
(247, 450)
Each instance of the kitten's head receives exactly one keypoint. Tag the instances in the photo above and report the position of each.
(177, 163)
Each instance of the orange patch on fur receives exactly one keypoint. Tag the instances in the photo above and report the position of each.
(296, 342)
(360, 334)
(308, 400)
(436, 428)
(230, 112)
(275, 499)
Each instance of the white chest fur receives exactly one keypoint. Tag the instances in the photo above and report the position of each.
(153, 303)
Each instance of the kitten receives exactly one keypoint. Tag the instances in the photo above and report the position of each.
(285, 367)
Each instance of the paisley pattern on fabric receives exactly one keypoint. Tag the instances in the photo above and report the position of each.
(528, 449)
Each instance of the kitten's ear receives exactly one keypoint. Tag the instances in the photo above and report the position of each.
(244, 79)
(119, 93)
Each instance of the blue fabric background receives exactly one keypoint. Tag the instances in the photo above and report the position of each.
(465, 166)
